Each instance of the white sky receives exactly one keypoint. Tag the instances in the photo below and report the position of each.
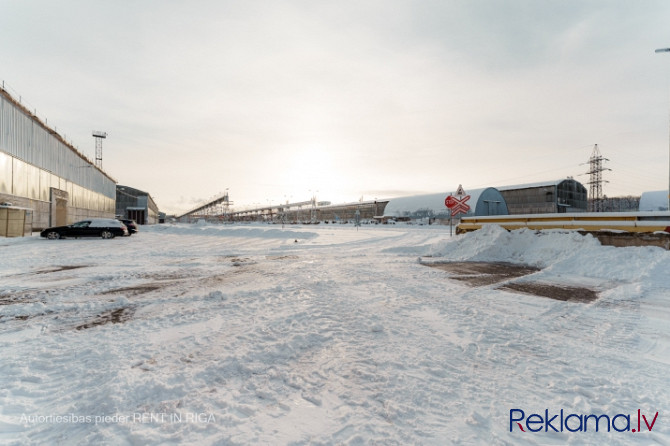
(280, 100)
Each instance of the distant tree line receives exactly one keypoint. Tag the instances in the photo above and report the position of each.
(615, 204)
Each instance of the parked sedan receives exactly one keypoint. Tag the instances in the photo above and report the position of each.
(93, 227)
(131, 225)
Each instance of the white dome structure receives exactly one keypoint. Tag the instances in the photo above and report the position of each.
(486, 201)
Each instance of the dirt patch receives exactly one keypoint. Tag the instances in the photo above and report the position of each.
(235, 259)
(241, 261)
(134, 290)
(286, 257)
(483, 273)
(59, 268)
(117, 316)
(488, 273)
(165, 276)
(624, 239)
(24, 297)
(9, 300)
(558, 292)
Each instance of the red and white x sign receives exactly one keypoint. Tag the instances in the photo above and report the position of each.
(457, 205)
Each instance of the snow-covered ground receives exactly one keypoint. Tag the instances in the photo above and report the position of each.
(328, 335)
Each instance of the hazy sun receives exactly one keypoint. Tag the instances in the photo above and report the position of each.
(310, 170)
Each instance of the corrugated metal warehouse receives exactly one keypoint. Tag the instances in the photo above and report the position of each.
(41, 171)
(135, 204)
(549, 197)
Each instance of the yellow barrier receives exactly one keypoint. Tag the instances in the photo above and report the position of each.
(645, 222)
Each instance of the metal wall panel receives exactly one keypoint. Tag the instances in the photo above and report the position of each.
(5, 173)
(24, 138)
(20, 178)
(45, 185)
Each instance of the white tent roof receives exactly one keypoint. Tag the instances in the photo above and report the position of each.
(654, 201)
(398, 207)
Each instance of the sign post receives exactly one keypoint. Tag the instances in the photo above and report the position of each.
(457, 204)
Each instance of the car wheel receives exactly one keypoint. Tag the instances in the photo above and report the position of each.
(53, 235)
(106, 234)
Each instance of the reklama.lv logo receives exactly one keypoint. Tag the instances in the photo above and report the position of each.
(560, 422)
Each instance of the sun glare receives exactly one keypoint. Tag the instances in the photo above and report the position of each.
(310, 169)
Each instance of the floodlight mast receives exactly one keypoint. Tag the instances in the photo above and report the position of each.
(99, 136)
(667, 50)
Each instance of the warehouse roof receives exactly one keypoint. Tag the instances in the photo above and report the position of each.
(538, 184)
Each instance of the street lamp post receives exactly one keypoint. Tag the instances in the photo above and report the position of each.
(667, 50)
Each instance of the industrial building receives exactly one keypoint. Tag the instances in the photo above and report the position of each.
(559, 196)
(135, 204)
(310, 211)
(349, 212)
(486, 201)
(429, 208)
(40, 171)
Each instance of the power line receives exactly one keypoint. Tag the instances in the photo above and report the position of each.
(596, 179)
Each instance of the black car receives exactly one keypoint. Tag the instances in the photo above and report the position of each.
(131, 225)
(94, 227)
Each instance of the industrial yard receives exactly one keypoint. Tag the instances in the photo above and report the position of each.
(238, 334)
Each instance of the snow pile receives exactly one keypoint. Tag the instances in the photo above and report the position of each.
(560, 252)
(495, 244)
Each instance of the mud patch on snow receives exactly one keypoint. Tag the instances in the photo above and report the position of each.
(166, 276)
(235, 260)
(134, 290)
(117, 316)
(489, 273)
(241, 261)
(8, 299)
(49, 270)
(59, 268)
(483, 273)
(286, 257)
(558, 292)
(24, 297)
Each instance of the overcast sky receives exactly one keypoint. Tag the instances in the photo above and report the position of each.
(280, 100)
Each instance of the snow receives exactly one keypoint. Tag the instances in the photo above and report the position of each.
(324, 334)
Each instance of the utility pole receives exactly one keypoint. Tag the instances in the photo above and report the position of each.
(596, 179)
(99, 136)
(667, 50)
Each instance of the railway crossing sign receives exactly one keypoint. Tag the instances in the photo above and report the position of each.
(458, 204)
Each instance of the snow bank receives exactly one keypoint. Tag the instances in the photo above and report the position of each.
(559, 252)
(495, 244)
